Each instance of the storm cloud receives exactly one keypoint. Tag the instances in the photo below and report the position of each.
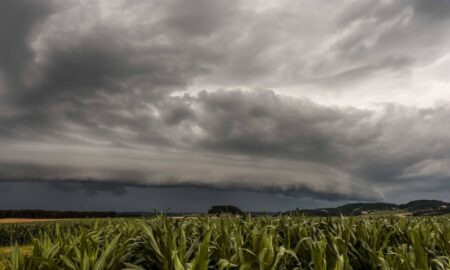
(338, 100)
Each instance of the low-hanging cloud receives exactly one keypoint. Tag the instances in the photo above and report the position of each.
(255, 140)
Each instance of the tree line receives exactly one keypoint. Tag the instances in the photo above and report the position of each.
(34, 213)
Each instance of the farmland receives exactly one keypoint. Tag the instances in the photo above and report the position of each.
(22, 220)
(230, 243)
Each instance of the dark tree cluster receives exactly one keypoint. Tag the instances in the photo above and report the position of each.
(225, 209)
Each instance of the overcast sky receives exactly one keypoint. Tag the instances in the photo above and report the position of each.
(267, 104)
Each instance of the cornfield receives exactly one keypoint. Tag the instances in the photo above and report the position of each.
(263, 243)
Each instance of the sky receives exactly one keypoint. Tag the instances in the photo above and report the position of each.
(136, 105)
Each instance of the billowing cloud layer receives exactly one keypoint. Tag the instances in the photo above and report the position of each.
(336, 100)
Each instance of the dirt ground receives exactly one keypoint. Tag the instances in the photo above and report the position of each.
(22, 220)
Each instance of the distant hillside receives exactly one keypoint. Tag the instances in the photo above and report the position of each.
(415, 208)
(426, 205)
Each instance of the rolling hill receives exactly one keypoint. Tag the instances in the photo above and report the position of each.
(414, 208)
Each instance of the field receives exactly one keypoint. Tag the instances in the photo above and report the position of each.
(22, 220)
(229, 243)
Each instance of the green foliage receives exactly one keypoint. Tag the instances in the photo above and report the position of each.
(236, 243)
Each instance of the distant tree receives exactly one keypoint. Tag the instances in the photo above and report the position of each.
(225, 209)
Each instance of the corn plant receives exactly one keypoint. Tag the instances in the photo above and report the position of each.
(231, 243)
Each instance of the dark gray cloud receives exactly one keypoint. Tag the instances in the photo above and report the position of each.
(259, 140)
(18, 21)
(97, 95)
(380, 146)
(268, 124)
